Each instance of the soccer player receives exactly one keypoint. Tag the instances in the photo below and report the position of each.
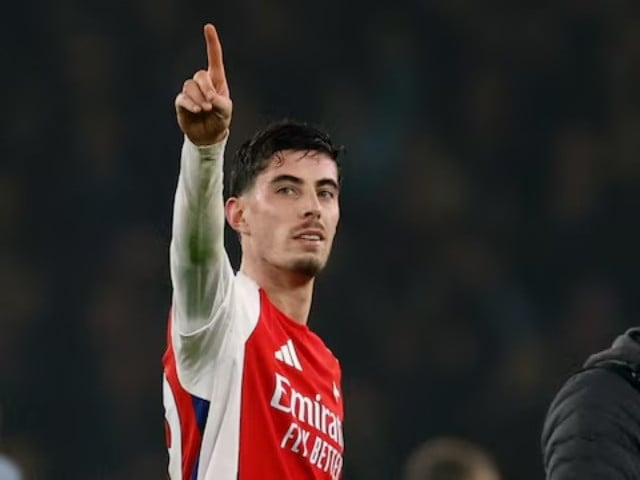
(250, 392)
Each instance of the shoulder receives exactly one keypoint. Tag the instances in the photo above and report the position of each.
(322, 352)
(594, 388)
(593, 422)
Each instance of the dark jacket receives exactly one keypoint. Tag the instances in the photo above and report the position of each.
(592, 428)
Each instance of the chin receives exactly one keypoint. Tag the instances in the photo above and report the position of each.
(308, 267)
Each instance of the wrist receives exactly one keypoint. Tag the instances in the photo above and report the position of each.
(209, 142)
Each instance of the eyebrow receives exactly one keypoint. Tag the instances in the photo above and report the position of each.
(328, 182)
(324, 182)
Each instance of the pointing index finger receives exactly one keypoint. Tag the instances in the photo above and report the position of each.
(214, 57)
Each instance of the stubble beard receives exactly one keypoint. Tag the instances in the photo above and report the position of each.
(308, 267)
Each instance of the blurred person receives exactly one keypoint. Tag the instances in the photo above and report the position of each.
(592, 427)
(250, 392)
(449, 458)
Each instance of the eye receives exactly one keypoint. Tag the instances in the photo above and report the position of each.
(286, 191)
(326, 194)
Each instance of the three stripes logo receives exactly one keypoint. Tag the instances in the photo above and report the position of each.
(287, 354)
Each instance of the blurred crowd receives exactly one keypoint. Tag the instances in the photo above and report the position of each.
(487, 243)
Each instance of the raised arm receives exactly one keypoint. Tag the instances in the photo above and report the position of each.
(200, 271)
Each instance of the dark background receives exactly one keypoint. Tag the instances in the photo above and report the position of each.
(488, 241)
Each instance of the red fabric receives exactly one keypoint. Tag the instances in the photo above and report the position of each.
(190, 433)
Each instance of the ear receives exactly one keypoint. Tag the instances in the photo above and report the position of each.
(234, 211)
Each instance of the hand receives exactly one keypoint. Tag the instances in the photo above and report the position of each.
(204, 107)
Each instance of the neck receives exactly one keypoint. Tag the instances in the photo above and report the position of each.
(290, 292)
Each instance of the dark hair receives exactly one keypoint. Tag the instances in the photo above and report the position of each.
(253, 155)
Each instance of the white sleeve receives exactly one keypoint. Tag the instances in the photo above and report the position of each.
(201, 273)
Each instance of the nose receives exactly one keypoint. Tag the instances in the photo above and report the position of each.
(311, 207)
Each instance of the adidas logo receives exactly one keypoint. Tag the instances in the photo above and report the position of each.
(287, 354)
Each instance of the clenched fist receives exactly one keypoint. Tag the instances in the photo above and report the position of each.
(204, 106)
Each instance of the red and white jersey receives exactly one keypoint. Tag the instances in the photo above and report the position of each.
(249, 394)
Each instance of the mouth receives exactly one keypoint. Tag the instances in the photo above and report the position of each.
(310, 236)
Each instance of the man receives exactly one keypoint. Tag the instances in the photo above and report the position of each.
(450, 458)
(592, 428)
(250, 392)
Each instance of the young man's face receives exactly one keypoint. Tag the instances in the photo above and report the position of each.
(290, 215)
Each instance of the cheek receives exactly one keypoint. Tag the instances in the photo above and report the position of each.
(268, 227)
(334, 216)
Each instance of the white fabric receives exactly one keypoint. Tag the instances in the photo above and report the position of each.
(9, 470)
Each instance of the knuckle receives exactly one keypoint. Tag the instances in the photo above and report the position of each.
(192, 90)
(185, 99)
(199, 75)
(182, 102)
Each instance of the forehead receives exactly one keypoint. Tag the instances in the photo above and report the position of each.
(305, 164)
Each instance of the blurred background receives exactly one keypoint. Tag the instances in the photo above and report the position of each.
(489, 238)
